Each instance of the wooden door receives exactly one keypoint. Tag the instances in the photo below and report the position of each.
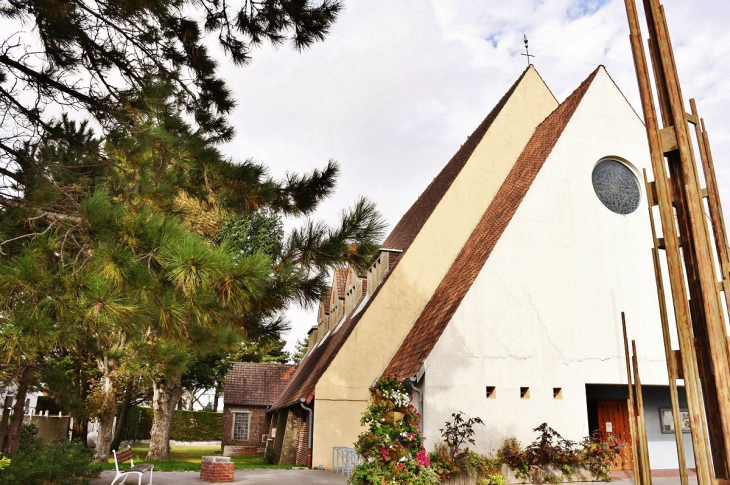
(613, 419)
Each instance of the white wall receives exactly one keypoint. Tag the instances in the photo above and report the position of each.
(544, 311)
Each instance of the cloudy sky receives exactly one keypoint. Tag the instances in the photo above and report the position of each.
(399, 85)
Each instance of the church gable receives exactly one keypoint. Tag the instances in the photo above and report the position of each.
(443, 304)
(543, 312)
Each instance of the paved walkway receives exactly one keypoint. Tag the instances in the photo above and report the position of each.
(316, 477)
(247, 477)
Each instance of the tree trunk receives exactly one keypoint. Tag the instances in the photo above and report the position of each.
(12, 439)
(80, 431)
(107, 411)
(5, 419)
(216, 395)
(122, 418)
(166, 394)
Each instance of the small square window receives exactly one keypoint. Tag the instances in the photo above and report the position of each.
(241, 425)
(491, 392)
(524, 393)
(557, 393)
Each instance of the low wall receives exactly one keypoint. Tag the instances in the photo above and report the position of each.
(51, 429)
(538, 475)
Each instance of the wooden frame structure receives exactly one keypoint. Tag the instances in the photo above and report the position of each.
(703, 358)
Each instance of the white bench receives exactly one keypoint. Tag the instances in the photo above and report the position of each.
(121, 457)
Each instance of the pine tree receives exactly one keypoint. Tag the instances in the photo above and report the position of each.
(101, 255)
(299, 351)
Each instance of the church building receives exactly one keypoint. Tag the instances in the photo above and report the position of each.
(500, 291)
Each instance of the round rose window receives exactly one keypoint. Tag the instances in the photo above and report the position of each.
(616, 186)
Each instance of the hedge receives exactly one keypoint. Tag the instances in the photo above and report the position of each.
(186, 425)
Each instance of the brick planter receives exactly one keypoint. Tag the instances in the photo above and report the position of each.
(216, 469)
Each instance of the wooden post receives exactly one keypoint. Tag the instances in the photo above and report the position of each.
(641, 421)
(638, 462)
(701, 326)
(685, 172)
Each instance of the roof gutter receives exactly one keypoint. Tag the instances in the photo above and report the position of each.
(414, 380)
(309, 433)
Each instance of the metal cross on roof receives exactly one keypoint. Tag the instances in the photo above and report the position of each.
(527, 50)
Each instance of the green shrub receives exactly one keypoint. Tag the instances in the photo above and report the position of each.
(186, 425)
(67, 463)
(449, 458)
(595, 453)
(196, 426)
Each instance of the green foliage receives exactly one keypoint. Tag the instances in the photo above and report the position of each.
(196, 426)
(187, 458)
(459, 431)
(186, 425)
(392, 446)
(129, 50)
(259, 232)
(449, 458)
(112, 271)
(595, 453)
(513, 455)
(599, 454)
(299, 350)
(66, 463)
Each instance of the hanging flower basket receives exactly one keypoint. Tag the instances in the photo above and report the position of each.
(392, 416)
(397, 453)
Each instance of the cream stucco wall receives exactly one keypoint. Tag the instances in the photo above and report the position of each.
(342, 392)
(544, 311)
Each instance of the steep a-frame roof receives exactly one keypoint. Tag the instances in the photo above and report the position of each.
(451, 291)
(413, 220)
(318, 359)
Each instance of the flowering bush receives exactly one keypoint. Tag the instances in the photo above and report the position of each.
(449, 458)
(595, 453)
(392, 446)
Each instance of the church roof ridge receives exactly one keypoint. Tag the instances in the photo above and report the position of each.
(411, 223)
(434, 318)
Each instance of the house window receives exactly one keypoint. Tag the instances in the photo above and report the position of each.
(241, 426)
(524, 392)
(557, 393)
(491, 392)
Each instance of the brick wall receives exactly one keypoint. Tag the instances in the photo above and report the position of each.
(302, 440)
(216, 471)
(258, 427)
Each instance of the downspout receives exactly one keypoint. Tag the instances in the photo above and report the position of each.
(309, 434)
(414, 379)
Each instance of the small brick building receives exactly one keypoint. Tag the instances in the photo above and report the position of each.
(250, 388)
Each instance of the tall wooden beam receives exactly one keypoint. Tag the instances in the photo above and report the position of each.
(670, 355)
(698, 306)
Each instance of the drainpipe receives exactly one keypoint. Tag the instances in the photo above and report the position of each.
(309, 434)
(414, 379)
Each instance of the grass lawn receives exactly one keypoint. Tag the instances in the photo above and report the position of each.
(184, 458)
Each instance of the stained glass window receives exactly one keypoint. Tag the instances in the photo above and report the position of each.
(616, 186)
(241, 422)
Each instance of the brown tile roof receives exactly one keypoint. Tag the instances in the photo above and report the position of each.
(318, 359)
(451, 291)
(256, 384)
(301, 385)
(413, 220)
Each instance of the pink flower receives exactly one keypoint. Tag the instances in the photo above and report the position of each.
(422, 458)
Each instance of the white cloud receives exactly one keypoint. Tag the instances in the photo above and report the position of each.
(398, 86)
